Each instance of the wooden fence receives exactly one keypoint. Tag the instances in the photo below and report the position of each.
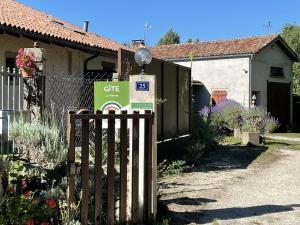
(85, 118)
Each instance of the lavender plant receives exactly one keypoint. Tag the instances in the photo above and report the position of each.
(230, 114)
(258, 119)
(271, 124)
(227, 114)
(40, 142)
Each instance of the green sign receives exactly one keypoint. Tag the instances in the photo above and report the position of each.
(111, 95)
(141, 105)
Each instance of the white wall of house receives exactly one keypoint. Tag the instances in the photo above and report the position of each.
(261, 66)
(229, 74)
(60, 60)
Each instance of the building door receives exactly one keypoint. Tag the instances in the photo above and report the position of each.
(279, 98)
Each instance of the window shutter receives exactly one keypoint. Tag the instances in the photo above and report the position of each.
(219, 96)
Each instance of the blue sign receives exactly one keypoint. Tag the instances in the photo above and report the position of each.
(142, 85)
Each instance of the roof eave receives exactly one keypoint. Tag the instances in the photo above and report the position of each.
(55, 40)
(284, 46)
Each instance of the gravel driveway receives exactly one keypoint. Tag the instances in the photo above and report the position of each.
(237, 187)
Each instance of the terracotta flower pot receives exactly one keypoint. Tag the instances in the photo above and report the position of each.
(27, 72)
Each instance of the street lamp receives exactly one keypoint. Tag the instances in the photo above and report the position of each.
(143, 57)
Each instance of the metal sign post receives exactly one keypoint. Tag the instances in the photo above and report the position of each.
(143, 97)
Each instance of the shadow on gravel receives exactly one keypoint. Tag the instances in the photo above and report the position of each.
(189, 201)
(207, 216)
(230, 157)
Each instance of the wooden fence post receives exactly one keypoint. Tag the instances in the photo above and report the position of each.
(123, 170)
(71, 157)
(111, 170)
(148, 169)
(85, 169)
(98, 169)
(135, 170)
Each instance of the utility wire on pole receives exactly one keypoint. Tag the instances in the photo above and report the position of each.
(147, 27)
(268, 26)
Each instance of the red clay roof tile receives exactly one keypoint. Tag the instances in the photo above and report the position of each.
(213, 48)
(17, 15)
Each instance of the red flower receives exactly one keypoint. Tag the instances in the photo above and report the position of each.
(25, 60)
(45, 223)
(51, 203)
(30, 222)
(27, 194)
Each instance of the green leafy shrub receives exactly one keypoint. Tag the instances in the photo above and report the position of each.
(204, 129)
(169, 168)
(164, 222)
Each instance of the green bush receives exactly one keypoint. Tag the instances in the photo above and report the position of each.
(203, 129)
(169, 168)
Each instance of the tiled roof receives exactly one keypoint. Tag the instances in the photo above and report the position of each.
(16, 15)
(213, 48)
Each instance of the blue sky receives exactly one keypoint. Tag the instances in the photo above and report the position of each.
(124, 20)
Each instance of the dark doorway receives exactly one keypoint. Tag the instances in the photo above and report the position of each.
(279, 99)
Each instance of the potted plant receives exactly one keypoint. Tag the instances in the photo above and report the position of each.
(25, 62)
(250, 135)
(253, 125)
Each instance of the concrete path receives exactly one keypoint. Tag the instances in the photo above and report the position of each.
(258, 194)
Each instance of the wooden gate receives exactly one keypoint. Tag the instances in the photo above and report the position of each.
(112, 216)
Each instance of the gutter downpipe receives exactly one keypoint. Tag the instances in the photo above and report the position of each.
(250, 79)
(87, 60)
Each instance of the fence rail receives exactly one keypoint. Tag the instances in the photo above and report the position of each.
(97, 119)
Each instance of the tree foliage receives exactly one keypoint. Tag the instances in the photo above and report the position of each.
(291, 34)
(190, 40)
(171, 37)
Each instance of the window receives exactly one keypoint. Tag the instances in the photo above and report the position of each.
(11, 64)
(255, 98)
(276, 72)
(218, 97)
(10, 60)
(108, 66)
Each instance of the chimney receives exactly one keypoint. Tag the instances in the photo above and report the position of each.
(137, 43)
(86, 25)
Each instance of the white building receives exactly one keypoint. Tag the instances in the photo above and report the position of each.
(238, 69)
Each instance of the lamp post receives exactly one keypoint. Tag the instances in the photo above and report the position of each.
(143, 57)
